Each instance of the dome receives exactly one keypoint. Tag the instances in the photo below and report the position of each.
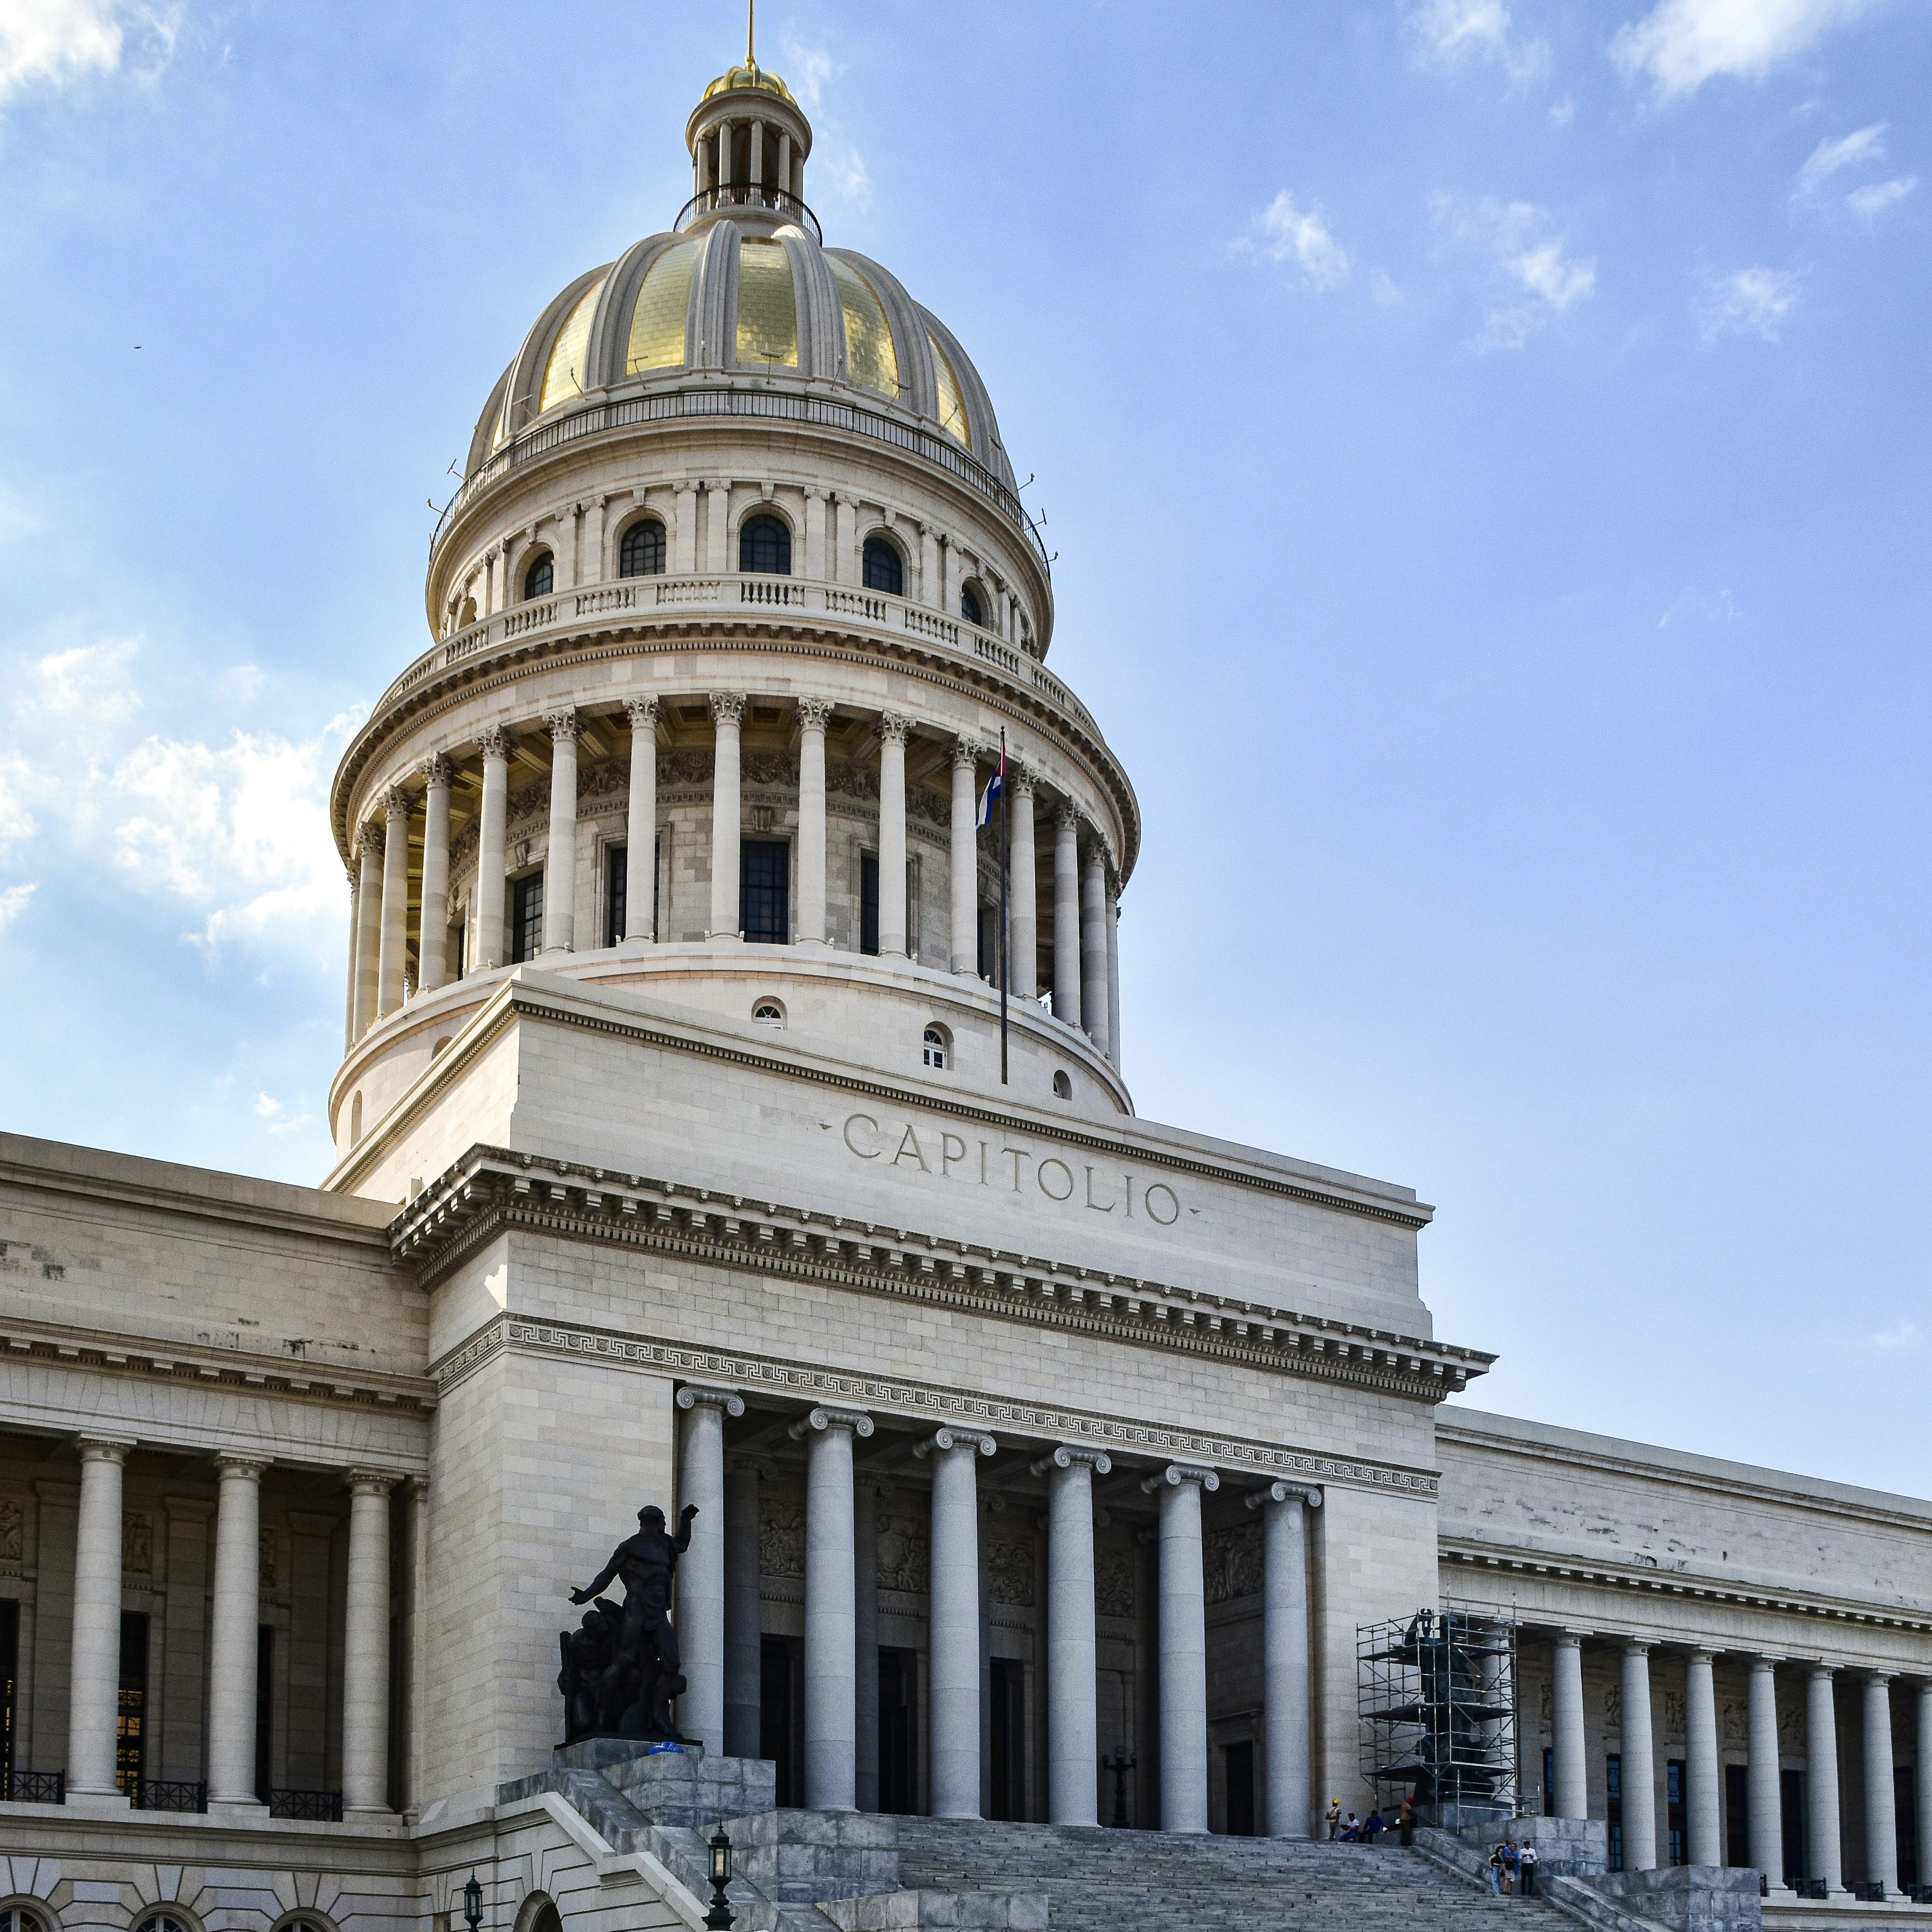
(748, 73)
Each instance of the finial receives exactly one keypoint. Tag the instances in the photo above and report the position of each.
(751, 28)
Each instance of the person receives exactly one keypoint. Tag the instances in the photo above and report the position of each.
(1526, 1861)
(1405, 1819)
(1334, 1816)
(1509, 1867)
(1496, 1871)
(1351, 1832)
(1371, 1824)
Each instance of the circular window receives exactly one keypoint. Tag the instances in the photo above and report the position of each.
(769, 1013)
(1062, 1087)
(936, 1047)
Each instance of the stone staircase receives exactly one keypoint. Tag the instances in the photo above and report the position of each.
(1108, 1881)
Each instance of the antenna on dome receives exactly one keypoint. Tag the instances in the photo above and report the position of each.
(751, 27)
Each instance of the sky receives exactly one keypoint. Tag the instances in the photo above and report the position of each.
(1484, 444)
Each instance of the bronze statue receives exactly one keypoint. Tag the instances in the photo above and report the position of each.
(621, 1669)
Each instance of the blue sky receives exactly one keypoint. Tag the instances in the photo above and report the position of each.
(1486, 449)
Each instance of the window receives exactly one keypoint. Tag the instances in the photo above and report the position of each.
(883, 570)
(1673, 1810)
(769, 1013)
(9, 1667)
(1791, 1822)
(526, 918)
(540, 577)
(264, 1711)
(616, 878)
(764, 545)
(935, 1047)
(764, 910)
(162, 1921)
(1239, 1760)
(1548, 1783)
(1613, 1795)
(868, 903)
(1062, 1087)
(18, 1918)
(131, 1729)
(1905, 1809)
(1737, 1814)
(970, 608)
(642, 552)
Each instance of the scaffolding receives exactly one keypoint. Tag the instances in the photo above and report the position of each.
(1436, 1696)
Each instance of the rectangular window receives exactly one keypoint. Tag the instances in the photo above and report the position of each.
(616, 873)
(764, 894)
(459, 934)
(526, 918)
(1548, 1783)
(1008, 1734)
(1673, 1810)
(1791, 1820)
(898, 1687)
(775, 1711)
(1905, 1802)
(868, 903)
(1737, 1814)
(9, 1672)
(131, 1729)
(264, 1710)
(989, 943)
(1613, 1807)
(1240, 1764)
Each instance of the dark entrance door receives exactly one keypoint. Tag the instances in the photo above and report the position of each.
(1240, 1762)
(898, 1789)
(1009, 1792)
(775, 1711)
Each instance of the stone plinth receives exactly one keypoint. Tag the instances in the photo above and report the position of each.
(805, 1858)
(1688, 1898)
(940, 1912)
(1565, 1847)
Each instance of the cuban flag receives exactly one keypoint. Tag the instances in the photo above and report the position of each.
(995, 785)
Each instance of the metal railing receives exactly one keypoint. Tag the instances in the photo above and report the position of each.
(673, 405)
(36, 1787)
(312, 1807)
(164, 1794)
(748, 194)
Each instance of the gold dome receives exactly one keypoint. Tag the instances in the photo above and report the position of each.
(748, 73)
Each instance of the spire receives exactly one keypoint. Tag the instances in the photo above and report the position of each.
(751, 32)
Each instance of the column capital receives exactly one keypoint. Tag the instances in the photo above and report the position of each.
(813, 494)
(1698, 1654)
(1570, 1640)
(105, 1448)
(370, 837)
(1175, 1473)
(493, 743)
(1065, 1455)
(435, 770)
(1069, 818)
(973, 1440)
(416, 1487)
(814, 714)
(1878, 1675)
(239, 1463)
(1768, 1659)
(642, 713)
(371, 1482)
(1283, 1493)
(1819, 1668)
(395, 803)
(967, 751)
(1021, 776)
(692, 1393)
(893, 729)
(822, 1417)
(1639, 1646)
(563, 725)
(727, 707)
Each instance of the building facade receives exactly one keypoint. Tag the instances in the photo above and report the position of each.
(1047, 1458)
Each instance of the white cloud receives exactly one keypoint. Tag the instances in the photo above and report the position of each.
(92, 681)
(13, 902)
(1901, 1337)
(1829, 156)
(851, 179)
(1680, 44)
(1454, 33)
(809, 70)
(1539, 280)
(1869, 203)
(1563, 113)
(1748, 301)
(1717, 607)
(1298, 237)
(16, 783)
(57, 41)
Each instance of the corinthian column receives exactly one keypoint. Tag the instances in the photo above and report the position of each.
(892, 835)
(1094, 946)
(641, 833)
(355, 934)
(1284, 1655)
(1183, 1647)
(393, 950)
(432, 929)
(559, 900)
(1067, 915)
(965, 865)
(369, 924)
(1114, 974)
(727, 711)
(700, 1571)
(1022, 889)
(93, 1680)
(235, 1633)
(365, 1647)
(1073, 1728)
(831, 1769)
(954, 1626)
(814, 715)
(495, 746)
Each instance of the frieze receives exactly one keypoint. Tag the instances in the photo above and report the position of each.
(1114, 1567)
(1009, 1570)
(137, 1545)
(904, 1554)
(781, 1530)
(1233, 1561)
(13, 1530)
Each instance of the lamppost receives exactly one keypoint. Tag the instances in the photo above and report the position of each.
(720, 1918)
(1120, 1765)
(472, 1902)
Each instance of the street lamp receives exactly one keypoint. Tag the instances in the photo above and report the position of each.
(472, 1902)
(720, 1918)
(1120, 1765)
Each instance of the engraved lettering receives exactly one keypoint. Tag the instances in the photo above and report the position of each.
(1018, 1154)
(910, 1139)
(1039, 1174)
(853, 1122)
(1101, 1206)
(1173, 1200)
(951, 1148)
(1127, 1182)
(982, 1163)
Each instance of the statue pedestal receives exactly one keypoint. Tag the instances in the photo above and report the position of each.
(682, 1787)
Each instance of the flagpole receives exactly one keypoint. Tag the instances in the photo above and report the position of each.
(1005, 855)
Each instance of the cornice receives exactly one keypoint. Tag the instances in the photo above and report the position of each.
(920, 1404)
(493, 1189)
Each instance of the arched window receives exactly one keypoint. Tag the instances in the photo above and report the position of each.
(883, 570)
(19, 1919)
(764, 545)
(936, 1047)
(162, 1921)
(970, 607)
(1062, 1087)
(642, 552)
(540, 577)
(769, 1013)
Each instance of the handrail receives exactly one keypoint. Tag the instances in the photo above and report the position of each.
(703, 400)
(748, 194)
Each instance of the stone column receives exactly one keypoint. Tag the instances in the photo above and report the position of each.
(954, 1625)
(718, 527)
(393, 950)
(559, 901)
(1284, 1722)
(866, 1641)
(892, 732)
(686, 533)
(365, 1648)
(1067, 915)
(368, 926)
(1094, 946)
(1568, 1761)
(784, 159)
(728, 710)
(640, 826)
(757, 155)
(814, 715)
(1824, 1857)
(1022, 888)
(1703, 1842)
(1766, 1800)
(931, 590)
(1114, 974)
(700, 1571)
(949, 571)
(94, 1682)
(1073, 1725)
(845, 564)
(742, 1645)
(433, 930)
(831, 1718)
(1639, 1767)
(1922, 1782)
(236, 1632)
(1183, 1647)
(495, 746)
(349, 988)
(415, 1610)
(814, 536)
(965, 857)
(1881, 1795)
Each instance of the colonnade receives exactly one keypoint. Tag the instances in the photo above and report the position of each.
(1703, 1768)
(711, 158)
(94, 1679)
(1086, 985)
(717, 1613)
